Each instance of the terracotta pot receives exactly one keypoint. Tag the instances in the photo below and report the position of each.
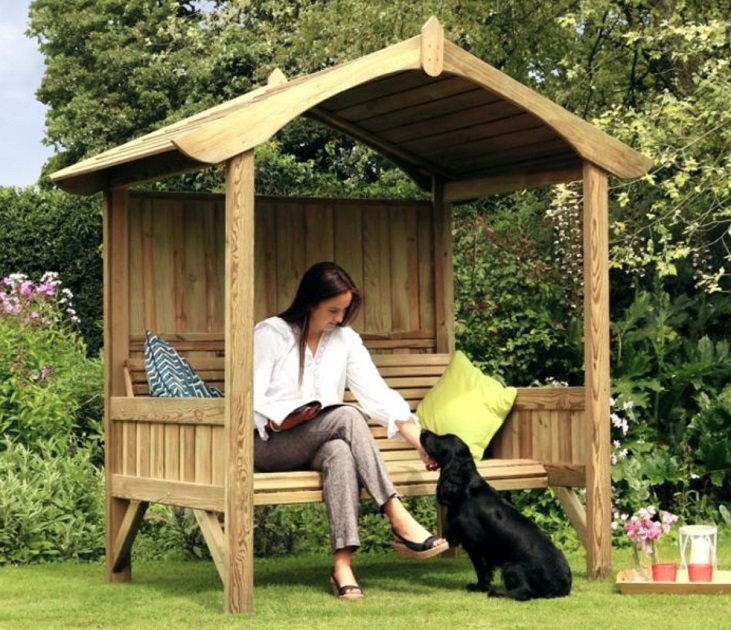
(664, 572)
(700, 572)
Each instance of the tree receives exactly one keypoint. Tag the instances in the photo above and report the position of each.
(114, 69)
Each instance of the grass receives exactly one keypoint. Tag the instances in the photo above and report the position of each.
(292, 592)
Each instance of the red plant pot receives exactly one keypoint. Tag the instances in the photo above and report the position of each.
(665, 572)
(700, 572)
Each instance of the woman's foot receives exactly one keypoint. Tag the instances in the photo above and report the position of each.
(342, 579)
(344, 574)
(412, 550)
(409, 535)
(346, 592)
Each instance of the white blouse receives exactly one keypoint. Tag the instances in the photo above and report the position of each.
(340, 360)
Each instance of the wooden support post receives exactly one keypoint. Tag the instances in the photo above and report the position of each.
(574, 509)
(213, 535)
(443, 294)
(127, 532)
(116, 352)
(596, 372)
(443, 271)
(239, 424)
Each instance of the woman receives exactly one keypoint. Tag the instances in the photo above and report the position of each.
(309, 353)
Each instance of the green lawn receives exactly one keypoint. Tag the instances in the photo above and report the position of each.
(292, 592)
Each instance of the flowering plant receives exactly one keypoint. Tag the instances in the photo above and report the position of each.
(48, 388)
(647, 525)
(41, 304)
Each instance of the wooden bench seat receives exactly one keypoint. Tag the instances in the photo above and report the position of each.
(409, 477)
(172, 448)
(412, 375)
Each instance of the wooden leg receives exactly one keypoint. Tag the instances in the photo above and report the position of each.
(596, 378)
(119, 562)
(238, 411)
(213, 535)
(574, 509)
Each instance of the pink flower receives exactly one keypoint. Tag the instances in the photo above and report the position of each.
(26, 288)
(47, 289)
(644, 529)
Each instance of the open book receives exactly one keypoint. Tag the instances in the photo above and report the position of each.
(305, 412)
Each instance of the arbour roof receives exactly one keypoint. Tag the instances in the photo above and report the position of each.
(426, 104)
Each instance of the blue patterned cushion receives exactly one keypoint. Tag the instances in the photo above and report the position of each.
(169, 374)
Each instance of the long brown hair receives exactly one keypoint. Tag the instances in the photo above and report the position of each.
(322, 281)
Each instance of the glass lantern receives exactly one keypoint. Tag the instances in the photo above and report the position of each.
(698, 551)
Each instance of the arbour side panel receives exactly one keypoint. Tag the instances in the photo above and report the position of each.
(176, 264)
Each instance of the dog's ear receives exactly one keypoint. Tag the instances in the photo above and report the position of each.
(450, 483)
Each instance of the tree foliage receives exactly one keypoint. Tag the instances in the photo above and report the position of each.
(653, 73)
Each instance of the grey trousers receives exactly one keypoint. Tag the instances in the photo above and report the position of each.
(338, 443)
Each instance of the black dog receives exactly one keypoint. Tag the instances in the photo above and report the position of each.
(491, 530)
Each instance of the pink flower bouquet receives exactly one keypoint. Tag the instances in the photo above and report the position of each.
(646, 526)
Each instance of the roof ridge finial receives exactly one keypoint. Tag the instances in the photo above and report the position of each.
(276, 77)
(432, 47)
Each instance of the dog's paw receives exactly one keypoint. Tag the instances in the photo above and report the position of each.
(476, 587)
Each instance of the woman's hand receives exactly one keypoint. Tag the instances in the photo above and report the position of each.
(411, 432)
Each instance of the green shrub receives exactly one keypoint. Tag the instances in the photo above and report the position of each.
(51, 507)
(672, 405)
(169, 533)
(291, 529)
(708, 436)
(51, 485)
(49, 229)
(286, 529)
(517, 314)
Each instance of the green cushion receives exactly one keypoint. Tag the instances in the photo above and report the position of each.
(466, 403)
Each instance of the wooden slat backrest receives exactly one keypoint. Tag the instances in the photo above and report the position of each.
(545, 424)
(410, 374)
(176, 262)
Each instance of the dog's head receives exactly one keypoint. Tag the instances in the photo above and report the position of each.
(444, 448)
(457, 468)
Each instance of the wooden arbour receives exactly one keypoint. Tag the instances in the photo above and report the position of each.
(190, 267)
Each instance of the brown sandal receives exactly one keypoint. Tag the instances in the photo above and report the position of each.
(348, 592)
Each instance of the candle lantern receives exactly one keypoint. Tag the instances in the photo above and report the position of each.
(698, 551)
